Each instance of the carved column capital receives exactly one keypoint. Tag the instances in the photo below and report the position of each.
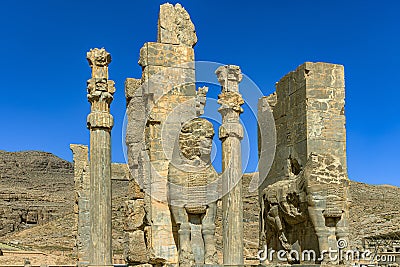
(230, 101)
(98, 57)
(100, 90)
(229, 77)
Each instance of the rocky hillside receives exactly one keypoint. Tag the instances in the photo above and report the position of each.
(37, 202)
(35, 187)
(374, 211)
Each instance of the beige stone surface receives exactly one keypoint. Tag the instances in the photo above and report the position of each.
(135, 214)
(306, 190)
(175, 26)
(82, 192)
(157, 106)
(100, 95)
(231, 134)
(137, 248)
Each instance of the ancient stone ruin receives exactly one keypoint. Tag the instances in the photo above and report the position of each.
(174, 192)
(304, 198)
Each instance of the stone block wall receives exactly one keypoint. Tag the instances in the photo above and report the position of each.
(308, 108)
(308, 171)
(157, 105)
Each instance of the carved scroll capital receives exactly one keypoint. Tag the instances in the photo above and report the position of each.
(100, 90)
(229, 77)
(98, 57)
(231, 100)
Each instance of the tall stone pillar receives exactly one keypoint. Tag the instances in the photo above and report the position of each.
(100, 122)
(231, 134)
(82, 189)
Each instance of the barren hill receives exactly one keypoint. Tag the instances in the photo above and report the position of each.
(374, 211)
(35, 187)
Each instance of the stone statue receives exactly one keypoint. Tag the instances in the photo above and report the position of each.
(316, 200)
(193, 194)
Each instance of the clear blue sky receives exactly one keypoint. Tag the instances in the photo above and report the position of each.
(44, 69)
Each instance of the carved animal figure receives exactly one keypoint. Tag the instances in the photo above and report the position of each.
(315, 200)
(193, 193)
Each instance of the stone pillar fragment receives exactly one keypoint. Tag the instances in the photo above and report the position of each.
(157, 106)
(82, 187)
(231, 134)
(100, 122)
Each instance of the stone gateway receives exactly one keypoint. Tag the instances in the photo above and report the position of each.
(179, 211)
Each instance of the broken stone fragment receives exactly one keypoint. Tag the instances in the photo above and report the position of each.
(135, 213)
(175, 26)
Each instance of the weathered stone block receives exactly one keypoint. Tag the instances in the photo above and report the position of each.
(166, 55)
(134, 190)
(175, 26)
(135, 213)
(137, 251)
(131, 88)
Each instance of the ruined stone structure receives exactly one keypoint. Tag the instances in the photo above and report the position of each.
(170, 216)
(157, 106)
(119, 172)
(99, 121)
(82, 196)
(304, 198)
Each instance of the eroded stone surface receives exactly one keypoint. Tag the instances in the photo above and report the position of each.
(82, 196)
(193, 194)
(175, 26)
(100, 122)
(157, 105)
(304, 198)
(231, 134)
(136, 250)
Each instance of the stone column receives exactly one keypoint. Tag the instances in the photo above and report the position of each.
(231, 134)
(82, 189)
(100, 122)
